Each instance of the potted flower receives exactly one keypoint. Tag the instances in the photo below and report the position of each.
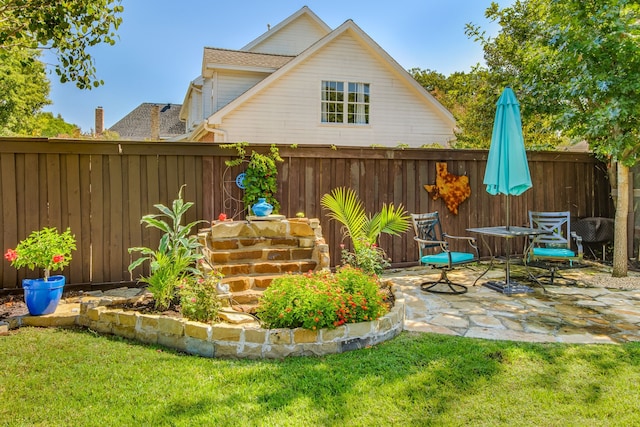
(49, 250)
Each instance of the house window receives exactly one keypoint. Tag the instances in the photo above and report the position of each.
(340, 106)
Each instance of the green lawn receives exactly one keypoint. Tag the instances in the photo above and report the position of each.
(56, 377)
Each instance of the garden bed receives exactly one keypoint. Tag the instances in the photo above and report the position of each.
(224, 339)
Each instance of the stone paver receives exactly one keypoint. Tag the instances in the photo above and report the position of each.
(567, 314)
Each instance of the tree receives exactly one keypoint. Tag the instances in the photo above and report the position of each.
(48, 125)
(24, 90)
(69, 28)
(578, 62)
(471, 98)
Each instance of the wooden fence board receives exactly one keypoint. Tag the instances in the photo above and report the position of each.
(101, 189)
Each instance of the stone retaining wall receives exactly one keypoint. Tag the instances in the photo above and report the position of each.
(223, 339)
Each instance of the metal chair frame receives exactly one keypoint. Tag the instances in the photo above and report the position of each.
(553, 250)
(434, 250)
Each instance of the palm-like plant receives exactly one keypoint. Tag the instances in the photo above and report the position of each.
(345, 206)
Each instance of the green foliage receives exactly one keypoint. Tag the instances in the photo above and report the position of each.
(198, 297)
(575, 63)
(345, 206)
(168, 270)
(261, 175)
(24, 91)
(177, 253)
(308, 301)
(416, 379)
(368, 257)
(49, 126)
(68, 28)
(364, 299)
(321, 300)
(47, 249)
(471, 98)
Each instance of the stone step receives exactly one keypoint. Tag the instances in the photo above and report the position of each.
(244, 243)
(250, 296)
(266, 268)
(259, 254)
(246, 308)
(243, 283)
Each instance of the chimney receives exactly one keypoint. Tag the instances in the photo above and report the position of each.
(99, 121)
(155, 122)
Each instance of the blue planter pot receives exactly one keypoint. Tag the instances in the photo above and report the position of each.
(262, 208)
(42, 297)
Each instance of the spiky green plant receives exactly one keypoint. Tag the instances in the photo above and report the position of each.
(345, 206)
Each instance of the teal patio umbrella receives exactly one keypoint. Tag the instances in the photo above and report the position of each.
(507, 169)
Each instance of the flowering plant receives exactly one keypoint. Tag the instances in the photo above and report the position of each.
(321, 299)
(47, 249)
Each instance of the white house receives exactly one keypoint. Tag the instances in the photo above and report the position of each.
(303, 83)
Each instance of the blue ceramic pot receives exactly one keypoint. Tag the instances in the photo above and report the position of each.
(262, 208)
(42, 297)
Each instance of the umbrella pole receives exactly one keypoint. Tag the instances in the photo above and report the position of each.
(508, 282)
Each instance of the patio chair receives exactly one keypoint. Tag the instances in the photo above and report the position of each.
(553, 251)
(434, 251)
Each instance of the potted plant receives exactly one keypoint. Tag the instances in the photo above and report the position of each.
(48, 250)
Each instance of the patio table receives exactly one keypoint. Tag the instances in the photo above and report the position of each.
(508, 287)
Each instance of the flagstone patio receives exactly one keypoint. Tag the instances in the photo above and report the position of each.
(582, 313)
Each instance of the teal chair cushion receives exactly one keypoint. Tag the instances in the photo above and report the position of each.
(443, 259)
(554, 252)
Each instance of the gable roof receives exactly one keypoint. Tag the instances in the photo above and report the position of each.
(215, 58)
(137, 124)
(304, 11)
(348, 26)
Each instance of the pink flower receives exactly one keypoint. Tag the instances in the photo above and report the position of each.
(58, 258)
(193, 300)
(11, 255)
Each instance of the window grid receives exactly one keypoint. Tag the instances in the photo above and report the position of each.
(335, 102)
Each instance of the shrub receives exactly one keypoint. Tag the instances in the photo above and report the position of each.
(321, 300)
(198, 297)
(369, 257)
(308, 300)
(364, 300)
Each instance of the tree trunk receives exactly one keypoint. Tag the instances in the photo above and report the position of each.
(620, 234)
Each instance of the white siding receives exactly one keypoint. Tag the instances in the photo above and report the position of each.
(195, 109)
(288, 110)
(232, 85)
(292, 39)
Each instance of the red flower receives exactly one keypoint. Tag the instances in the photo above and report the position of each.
(58, 258)
(11, 255)
(222, 216)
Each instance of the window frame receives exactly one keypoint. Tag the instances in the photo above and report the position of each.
(346, 103)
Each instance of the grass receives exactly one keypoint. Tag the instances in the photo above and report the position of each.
(57, 377)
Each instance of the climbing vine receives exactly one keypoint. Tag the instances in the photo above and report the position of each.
(260, 176)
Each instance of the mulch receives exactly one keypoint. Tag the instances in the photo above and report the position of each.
(12, 305)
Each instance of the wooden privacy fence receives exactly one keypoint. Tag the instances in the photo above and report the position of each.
(102, 189)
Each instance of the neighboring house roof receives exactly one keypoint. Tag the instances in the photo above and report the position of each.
(239, 60)
(137, 124)
(349, 25)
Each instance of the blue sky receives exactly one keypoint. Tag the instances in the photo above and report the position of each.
(161, 42)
